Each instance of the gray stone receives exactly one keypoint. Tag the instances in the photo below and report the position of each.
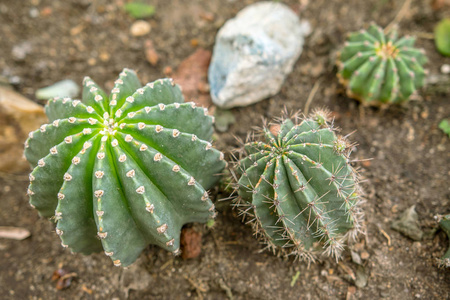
(254, 52)
(408, 224)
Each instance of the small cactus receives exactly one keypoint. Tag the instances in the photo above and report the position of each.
(118, 173)
(298, 188)
(379, 69)
(444, 222)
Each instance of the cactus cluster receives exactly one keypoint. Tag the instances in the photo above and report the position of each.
(121, 172)
(297, 186)
(444, 223)
(379, 69)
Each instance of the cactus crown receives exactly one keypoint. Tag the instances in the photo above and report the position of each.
(123, 171)
(381, 69)
(298, 188)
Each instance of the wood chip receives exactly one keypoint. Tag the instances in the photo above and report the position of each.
(14, 233)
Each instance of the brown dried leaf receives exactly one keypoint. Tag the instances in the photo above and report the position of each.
(191, 243)
(439, 4)
(63, 278)
(150, 53)
(192, 76)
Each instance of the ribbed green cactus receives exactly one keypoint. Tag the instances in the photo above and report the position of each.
(380, 69)
(123, 171)
(444, 222)
(298, 188)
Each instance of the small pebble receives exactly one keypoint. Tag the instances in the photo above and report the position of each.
(104, 56)
(140, 28)
(167, 70)
(34, 12)
(445, 69)
(365, 255)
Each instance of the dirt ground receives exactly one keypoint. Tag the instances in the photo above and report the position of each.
(411, 156)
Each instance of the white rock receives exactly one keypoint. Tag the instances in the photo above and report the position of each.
(254, 52)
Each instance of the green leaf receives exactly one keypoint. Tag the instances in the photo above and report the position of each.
(139, 10)
(444, 125)
(442, 37)
(224, 118)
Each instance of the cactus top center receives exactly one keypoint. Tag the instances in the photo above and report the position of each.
(278, 147)
(387, 50)
(109, 124)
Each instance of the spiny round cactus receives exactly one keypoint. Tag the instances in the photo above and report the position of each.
(379, 69)
(444, 222)
(298, 188)
(121, 172)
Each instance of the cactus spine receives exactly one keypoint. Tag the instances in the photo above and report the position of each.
(118, 173)
(380, 69)
(298, 188)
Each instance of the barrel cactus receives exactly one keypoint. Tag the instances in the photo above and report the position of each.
(298, 188)
(118, 173)
(444, 222)
(379, 69)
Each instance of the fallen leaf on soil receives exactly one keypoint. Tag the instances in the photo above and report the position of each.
(207, 16)
(63, 278)
(150, 53)
(226, 288)
(351, 293)
(407, 224)
(46, 11)
(87, 290)
(358, 278)
(191, 243)
(444, 125)
(442, 37)
(349, 274)
(439, 4)
(223, 119)
(192, 76)
(139, 10)
(361, 277)
(14, 233)
(295, 278)
(356, 258)
(77, 29)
